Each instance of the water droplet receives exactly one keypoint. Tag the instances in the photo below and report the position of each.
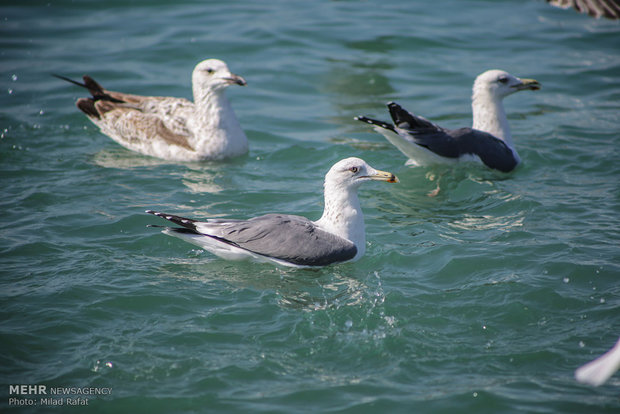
(14, 78)
(566, 280)
(348, 324)
(475, 394)
(602, 300)
(581, 344)
(10, 91)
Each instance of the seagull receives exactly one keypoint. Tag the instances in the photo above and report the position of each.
(171, 128)
(288, 240)
(595, 8)
(489, 140)
(598, 371)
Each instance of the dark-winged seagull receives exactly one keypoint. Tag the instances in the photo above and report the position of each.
(172, 128)
(595, 8)
(338, 236)
(489, 140)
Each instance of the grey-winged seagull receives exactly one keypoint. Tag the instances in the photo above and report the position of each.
(489, 140)
(338, 236)
(172, 128)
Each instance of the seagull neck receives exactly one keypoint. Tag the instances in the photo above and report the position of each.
(489, 116)
(215, 115)
(212, 103)
(343, 215)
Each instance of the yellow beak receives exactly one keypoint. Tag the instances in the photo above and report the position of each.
(383, 176)
(532, 84)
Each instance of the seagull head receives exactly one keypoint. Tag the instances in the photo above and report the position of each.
(214, 74)
(350, 173)
(499, 84)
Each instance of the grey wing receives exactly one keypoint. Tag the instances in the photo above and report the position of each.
(290, 238)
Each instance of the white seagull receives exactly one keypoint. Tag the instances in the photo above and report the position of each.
(489, 140)
(338, 236)
(172, 128)
(598, 371)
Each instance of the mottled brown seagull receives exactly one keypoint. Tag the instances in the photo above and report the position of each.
(172, 128)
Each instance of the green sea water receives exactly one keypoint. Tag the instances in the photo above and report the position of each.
(484, 298)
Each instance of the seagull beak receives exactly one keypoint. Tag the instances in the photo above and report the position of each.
(378, 175)
(531, 84)
(236, 79)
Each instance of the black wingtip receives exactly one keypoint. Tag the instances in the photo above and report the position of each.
(406, 120)
(181, 221)
(158, 214)
(393, 105)
(375, 122)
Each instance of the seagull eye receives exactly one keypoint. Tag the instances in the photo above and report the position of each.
(210, 71)
(503, 79)
(354, 170)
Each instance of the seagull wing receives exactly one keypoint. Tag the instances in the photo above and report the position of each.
(492, 151)
(136, 122)
(288, 238)
(135, 118)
